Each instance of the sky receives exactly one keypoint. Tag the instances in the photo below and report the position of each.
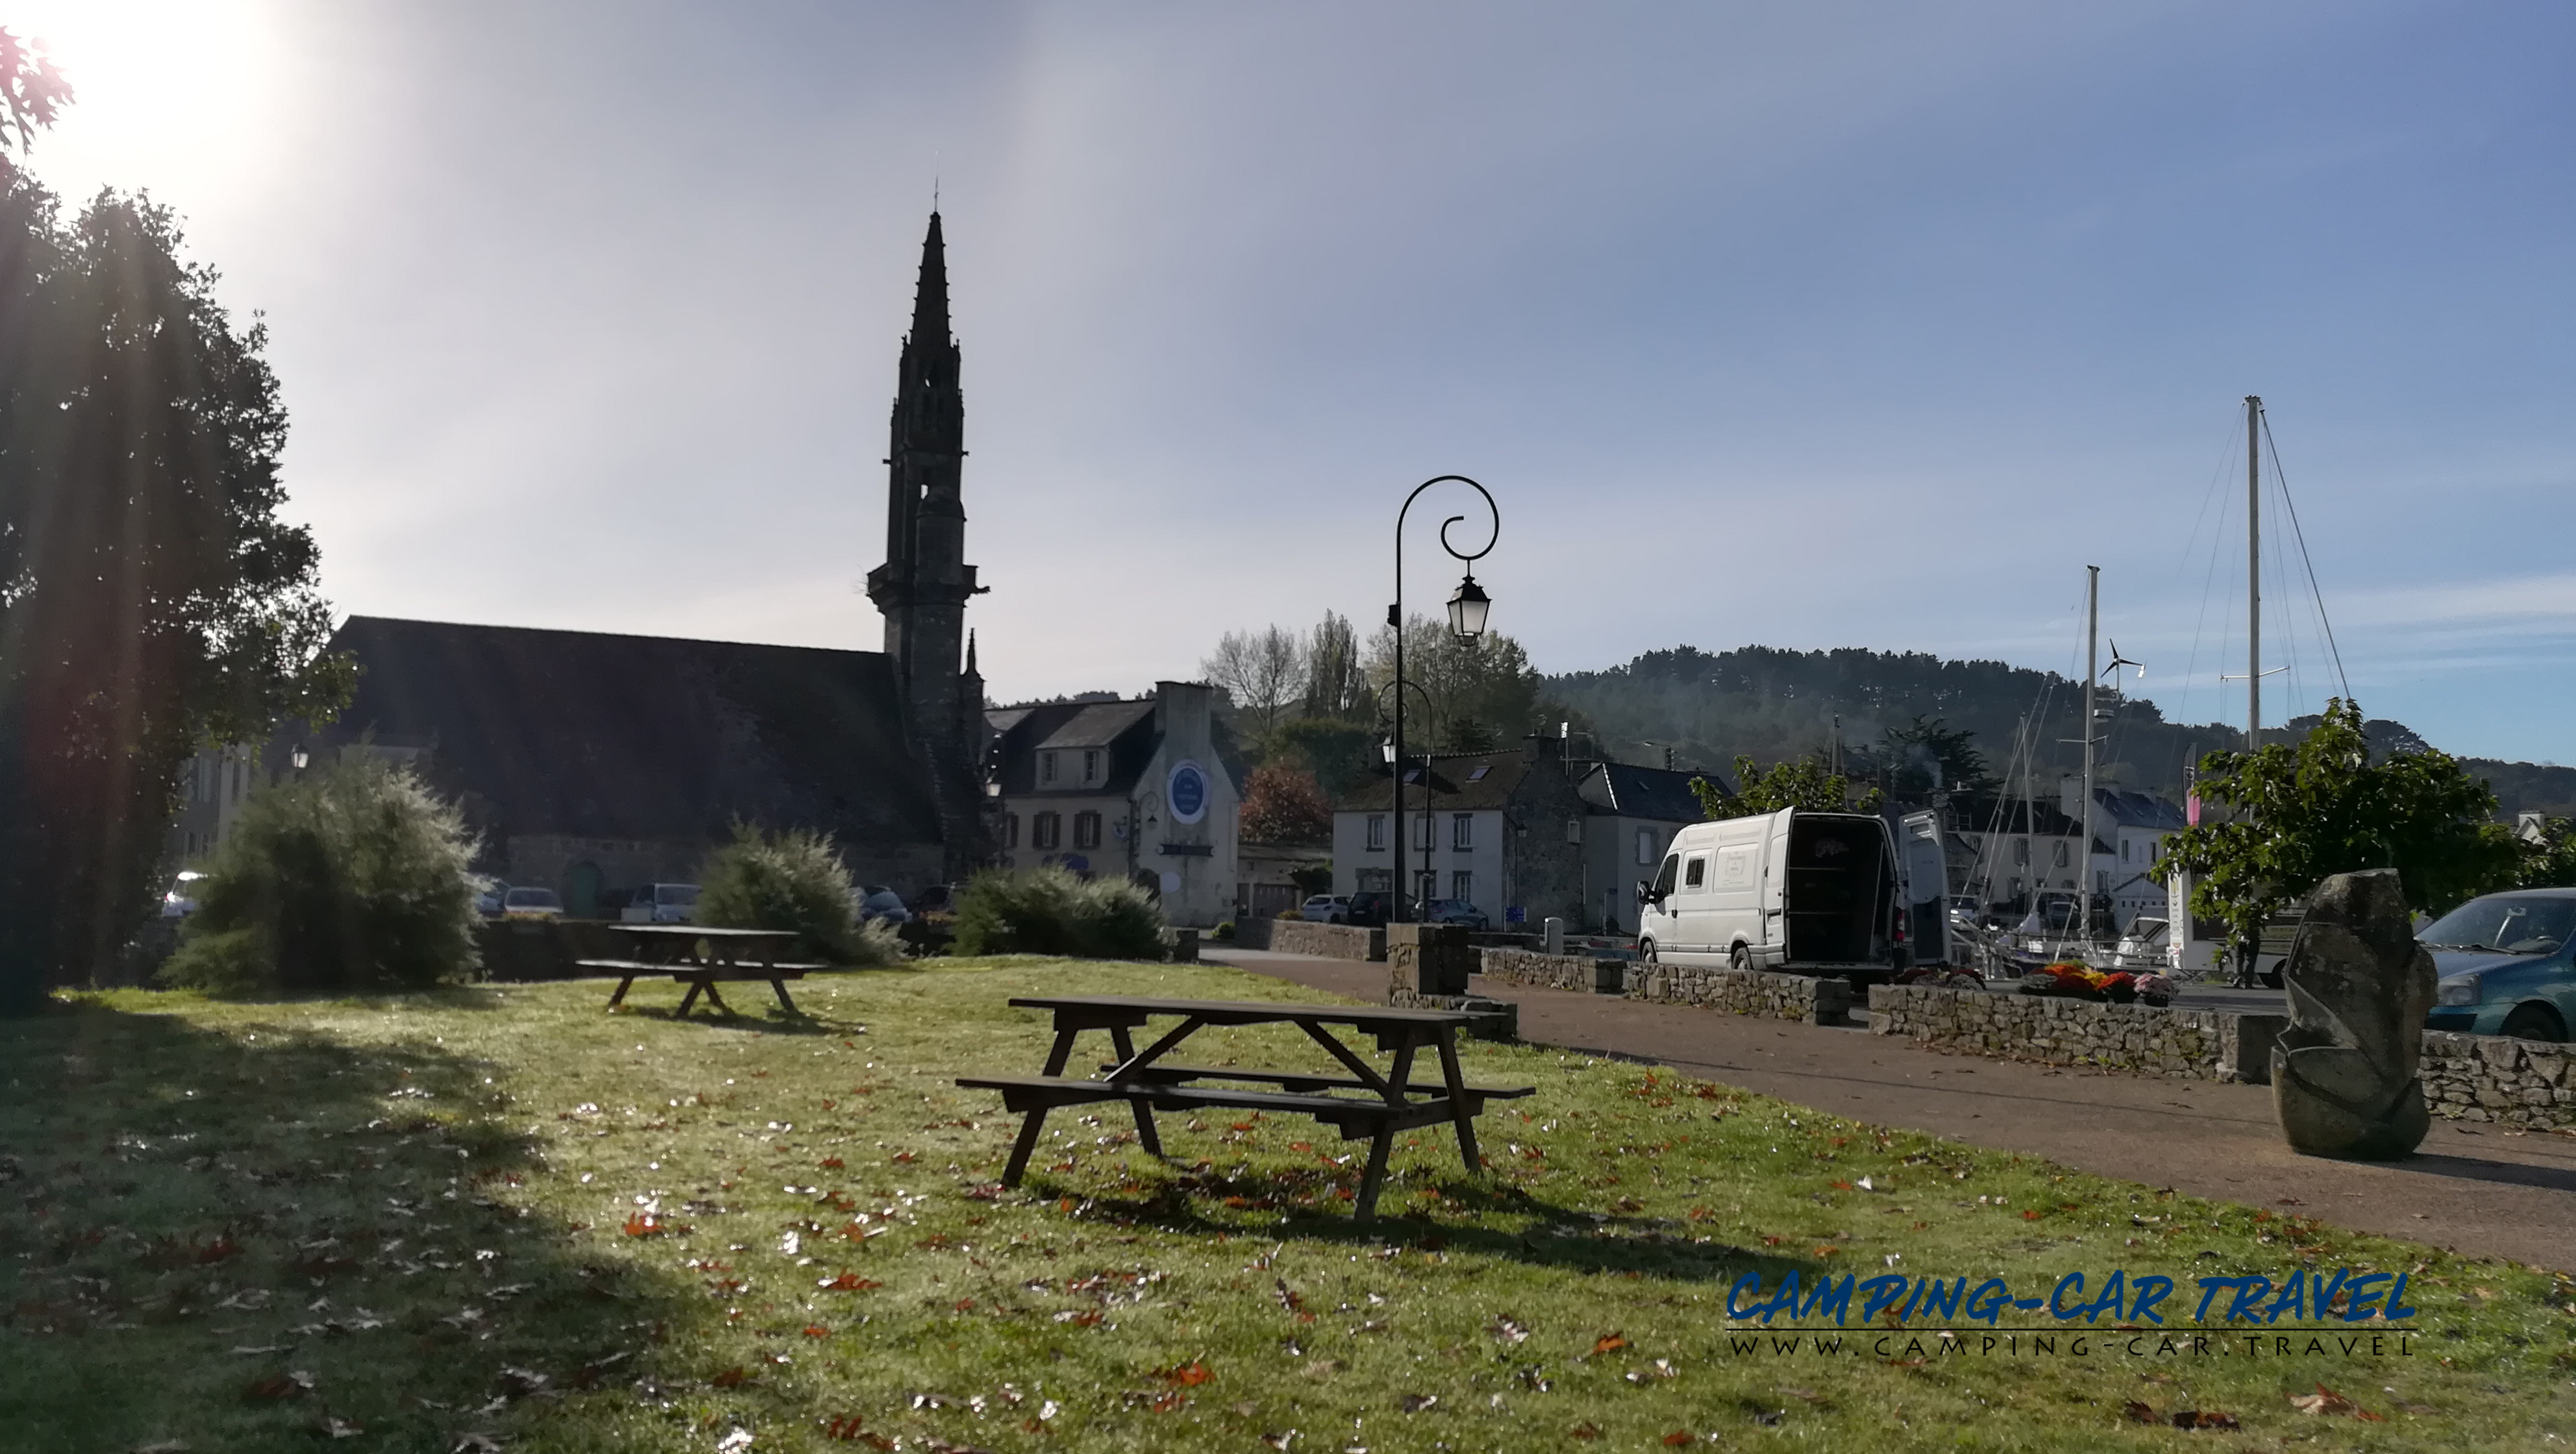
(1800, 324)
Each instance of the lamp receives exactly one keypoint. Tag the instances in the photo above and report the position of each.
(1467, 609)
(300, 757)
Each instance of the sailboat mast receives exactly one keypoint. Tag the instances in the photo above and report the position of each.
(2253, 571)
(2092, 673)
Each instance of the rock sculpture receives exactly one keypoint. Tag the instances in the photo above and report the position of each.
(2344, 1077)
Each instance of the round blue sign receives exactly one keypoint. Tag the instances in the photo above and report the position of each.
(1188, 792)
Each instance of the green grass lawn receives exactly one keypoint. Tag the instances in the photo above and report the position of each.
(500, 1217)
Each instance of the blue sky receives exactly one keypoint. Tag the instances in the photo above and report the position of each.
(1800, 324)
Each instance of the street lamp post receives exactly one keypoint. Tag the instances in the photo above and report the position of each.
(1467, 609)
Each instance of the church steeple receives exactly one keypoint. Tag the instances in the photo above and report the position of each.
(923, 587)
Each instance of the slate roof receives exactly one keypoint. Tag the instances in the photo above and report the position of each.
(1460, 783)
(1124, 729)
(1097, 724)
(1657, 793)
(642, 737)
(2139, 810)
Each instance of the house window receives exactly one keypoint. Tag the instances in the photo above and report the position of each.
(1086, 830)
(2101, 880)
(1462, 833)
(1645, 847)
(1010, 830)
(1046, 767)
(1574, 830)
(1422, 831)
(2061, 853)
(1377, 835)
(1426, 886)
(1377, 880)
(2124, 850)
(1091, 765)
(2021, 851)
(1046, 830)
(1462, 887)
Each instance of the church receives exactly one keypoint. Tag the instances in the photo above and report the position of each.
(592, 762)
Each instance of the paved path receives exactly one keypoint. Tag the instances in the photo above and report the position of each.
(2482, 1190)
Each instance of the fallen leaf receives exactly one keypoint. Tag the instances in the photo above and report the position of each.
(1414, 1403)
(731, 1378)
(1608, 1343)
(2323, 1401)
(847, 1282)
(1679, 1437)
(1587, 1430)
(2139, 1413)
(1187, 1375)
(1508, 1328)
(293, 1384)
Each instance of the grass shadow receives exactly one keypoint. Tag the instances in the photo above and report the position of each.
(245, 1239)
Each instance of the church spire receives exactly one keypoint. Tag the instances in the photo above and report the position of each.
(930, 296)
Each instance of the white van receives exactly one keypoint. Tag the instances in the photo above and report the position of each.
(1792, 891)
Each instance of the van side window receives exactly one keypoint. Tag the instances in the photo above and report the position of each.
(1695, 873)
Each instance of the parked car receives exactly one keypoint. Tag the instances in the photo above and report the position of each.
(1453, 911)
(879, 902)
(2506, 965)
(1371, 908)
(487, 894)
(661, 904)
(1326, 909)
(936, 899)
(181, 900)
(531, 904)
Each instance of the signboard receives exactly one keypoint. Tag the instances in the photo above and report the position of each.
(1187, 791)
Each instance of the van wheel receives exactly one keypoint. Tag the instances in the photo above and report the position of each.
(1646, 951)
(2534, 1022)
(1740, 959)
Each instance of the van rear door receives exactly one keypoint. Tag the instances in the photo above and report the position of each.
(1774, 941)
(1926, 871)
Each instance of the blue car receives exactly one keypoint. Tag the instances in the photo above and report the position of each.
(2507, 964)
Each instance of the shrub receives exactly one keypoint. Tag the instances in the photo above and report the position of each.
(1223, 931)
(352, 878)
(1050, 911)
(791, 880)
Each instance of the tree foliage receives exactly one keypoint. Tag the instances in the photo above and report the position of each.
(352, 878)
(1926, 753)
(150, 600)
(1262, 672)
(791, 880)
(1283, 804)
(1479, 694)
(2300, 812)
(1801, 782)
(32, 93)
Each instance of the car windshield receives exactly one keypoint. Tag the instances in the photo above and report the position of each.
(2504, 924)
(533, 899)
(678, 896)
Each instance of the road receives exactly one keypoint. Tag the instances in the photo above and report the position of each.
(2481, 1190)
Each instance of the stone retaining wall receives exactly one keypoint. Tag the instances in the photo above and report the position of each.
(1743, 992)
(1554, 971)
(2491, 1078)
(2192, 1044)
(1297, 936)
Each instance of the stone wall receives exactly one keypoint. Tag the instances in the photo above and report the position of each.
(1554, 971)
(1429, 959)
(1297, 936)
(2491, 1078)
(2192, 1044)
(1747, 992)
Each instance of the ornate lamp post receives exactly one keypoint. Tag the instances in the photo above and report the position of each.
(1468, 606)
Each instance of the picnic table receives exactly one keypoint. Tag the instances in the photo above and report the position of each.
(700, 958)
(1388, 1102)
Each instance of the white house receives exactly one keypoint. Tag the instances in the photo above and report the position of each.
(1138, 789)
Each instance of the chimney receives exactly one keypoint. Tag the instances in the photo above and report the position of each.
(1182, 712)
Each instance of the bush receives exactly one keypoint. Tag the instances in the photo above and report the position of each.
(1224, 931)
(1050, 911)
(352, 878)
(791, 880)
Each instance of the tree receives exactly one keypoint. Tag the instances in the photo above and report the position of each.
(1337, 687)
(1926, 753)
(1263, 671)
(1801, 782)
(150, 600)
(32, 92)
(1340, 754)
(2301, 812)
(2548, 862)
(1480, 693)
(1282, 804)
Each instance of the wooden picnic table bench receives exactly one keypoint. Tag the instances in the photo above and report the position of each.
(1388, 1104)
(702, 958)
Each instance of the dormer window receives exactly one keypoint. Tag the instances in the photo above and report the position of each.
(1046, 767)
(1090, 766)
